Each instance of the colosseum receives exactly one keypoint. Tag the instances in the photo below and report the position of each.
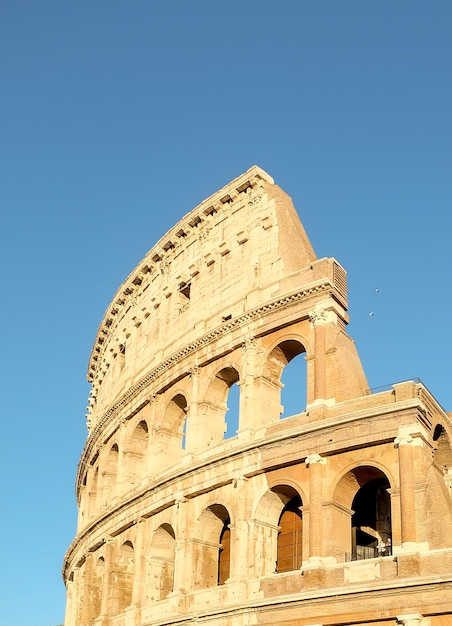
(192, 511)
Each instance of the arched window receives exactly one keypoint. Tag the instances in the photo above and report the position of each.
(161, 562)
(140, 439)
(293, 393)
(213, 566)
(96, 587)
(93, 486)
(136, 453)
(224, 557)
(232, 412)
(363, 505)
(123, 577)
(286, 370)
(110, 475)
(371, 520)
(290, 536)
(174, 427)
(221, 406)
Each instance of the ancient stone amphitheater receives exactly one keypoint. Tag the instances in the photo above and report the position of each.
(191, 512)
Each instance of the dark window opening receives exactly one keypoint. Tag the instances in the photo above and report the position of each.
(185, 291)
(290, 537)
(371, 521)
(224, 556)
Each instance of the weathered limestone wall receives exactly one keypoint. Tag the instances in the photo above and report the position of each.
(179, 521)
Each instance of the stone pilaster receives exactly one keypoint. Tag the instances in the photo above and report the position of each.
(86, 599)
(193, 440)
(314, 463)
(181, 578)
(106, 583)
(404, 444)
(139, 573)
(319, 320)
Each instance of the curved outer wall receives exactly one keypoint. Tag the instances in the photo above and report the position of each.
(283, 521)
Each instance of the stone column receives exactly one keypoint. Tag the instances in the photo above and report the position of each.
(86, 599)
(239, 533)
(320, 318)
(247, 389)
(314, 463)
(75, 610)
(70, 616)
(182, 575)
(319, 359)
(405, 444)
(106, 591)
(138, 578)
(193, 427)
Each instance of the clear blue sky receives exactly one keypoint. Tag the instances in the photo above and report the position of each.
(117, 118)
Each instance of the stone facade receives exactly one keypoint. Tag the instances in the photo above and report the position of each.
(338, 515)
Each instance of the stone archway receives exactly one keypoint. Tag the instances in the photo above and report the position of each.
(161, 561)
(287, 353)
(110, 475)
(135, 454)
(277, 528)
(362, 514)
(214, 406)
(170, 432)
(213, 556)
(122, 577)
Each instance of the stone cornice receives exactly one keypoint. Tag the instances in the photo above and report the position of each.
(156, 258)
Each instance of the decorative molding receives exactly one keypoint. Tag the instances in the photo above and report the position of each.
(320, 317)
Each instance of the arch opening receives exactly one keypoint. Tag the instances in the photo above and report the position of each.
(365, 490)
(123, 577)
(224, 556)
(214, 549)
(96, 587)
(286, 369)
(110, 475)
(289, 550)
(222, 404)
(162, 562)
(232, 411)
(172, 434)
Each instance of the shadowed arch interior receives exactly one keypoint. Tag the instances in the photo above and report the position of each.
(214, 551)
(364, 491)
(161, 561)
(290, 536)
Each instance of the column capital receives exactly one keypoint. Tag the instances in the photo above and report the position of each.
(314, 459)
(403, 440)
(320, 317)
(250, 342)
(412, 619)
(194, 371)
(239, 480)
